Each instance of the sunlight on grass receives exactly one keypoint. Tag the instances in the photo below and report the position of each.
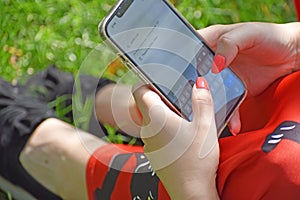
(37, 33)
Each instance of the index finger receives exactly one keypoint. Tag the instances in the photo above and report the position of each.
(212, 34)
(146, 99)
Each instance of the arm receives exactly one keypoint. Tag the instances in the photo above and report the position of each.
(295, 31)
(115, 105)
(185, 155)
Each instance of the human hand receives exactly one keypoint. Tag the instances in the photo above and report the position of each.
(259, 53)
(185, 155)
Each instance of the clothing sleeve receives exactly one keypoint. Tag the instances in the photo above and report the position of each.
(122, 172)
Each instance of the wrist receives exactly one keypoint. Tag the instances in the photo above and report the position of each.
(196, 187)
(205, 190)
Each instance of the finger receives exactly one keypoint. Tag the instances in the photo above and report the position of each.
(145, 100)
(202, 104)
(212, 34)
(157, 118)
(232, 42)
(235, 123)
(203, 118)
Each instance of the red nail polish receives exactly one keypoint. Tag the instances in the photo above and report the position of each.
(218, 64)
(232, 131)
(201, 83)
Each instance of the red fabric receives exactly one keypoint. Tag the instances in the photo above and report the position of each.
(97, 169)
(245, 171)
(297, 6)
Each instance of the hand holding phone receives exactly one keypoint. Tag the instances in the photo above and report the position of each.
(165, 51)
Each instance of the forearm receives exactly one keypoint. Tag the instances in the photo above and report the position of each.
(196, 187)
(115, 105)
(200, 191)
(207, 191)
(294, 30)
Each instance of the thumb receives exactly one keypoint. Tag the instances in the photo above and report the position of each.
(146, 100)
(204, 118)
(202, 104)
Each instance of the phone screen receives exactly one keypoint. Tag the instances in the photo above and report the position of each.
(171, 55)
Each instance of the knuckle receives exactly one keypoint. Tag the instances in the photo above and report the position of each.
(225, 40)
(204, 98)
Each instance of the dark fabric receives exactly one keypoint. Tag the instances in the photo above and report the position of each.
(53, 84)
(20, 114)
(67, 94)
(62, 90)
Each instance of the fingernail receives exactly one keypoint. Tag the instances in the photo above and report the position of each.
(218, 64)
(232, 131)
(201, 83)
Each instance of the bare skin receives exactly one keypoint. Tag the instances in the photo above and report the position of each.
(57, 151)
(50, 157)
(116, 106)
(65, 152)
(67, 149)
(194, 145)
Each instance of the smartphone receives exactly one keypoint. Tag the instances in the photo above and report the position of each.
(165, 51)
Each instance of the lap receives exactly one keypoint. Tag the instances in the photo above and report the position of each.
(260, 162)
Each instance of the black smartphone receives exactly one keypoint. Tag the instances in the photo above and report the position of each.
(158, 44)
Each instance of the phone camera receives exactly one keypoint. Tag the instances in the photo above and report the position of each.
(123, 8)
(119, 14)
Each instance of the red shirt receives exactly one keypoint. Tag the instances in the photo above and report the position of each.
(263, 162)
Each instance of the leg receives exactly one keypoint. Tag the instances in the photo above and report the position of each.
(67, 152)
(77, 165)
(56, 156)
(21, 115)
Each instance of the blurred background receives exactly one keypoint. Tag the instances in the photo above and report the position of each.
(37, 33)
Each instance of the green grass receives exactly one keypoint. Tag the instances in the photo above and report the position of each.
(36, 33)
(5, 195)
